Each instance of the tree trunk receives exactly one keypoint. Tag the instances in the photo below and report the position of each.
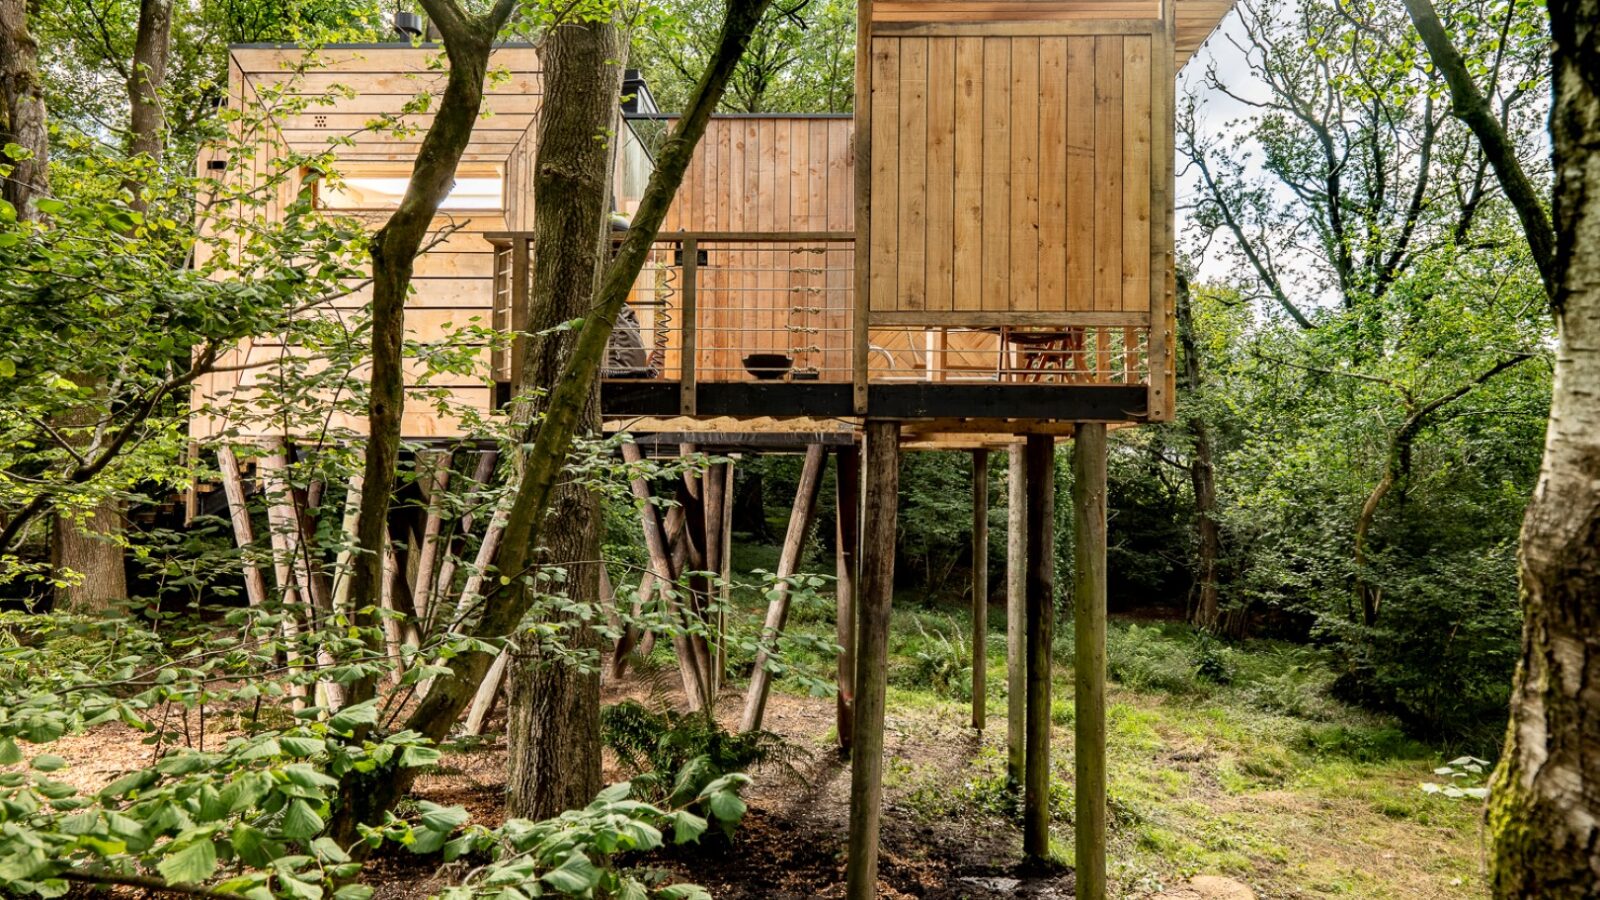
(1202, 474)
(1544, 809)
(1468, 104)
(89, 549)
(147, 75)
(22, 104)
(364, 799)
(467, 42)
(554, 703)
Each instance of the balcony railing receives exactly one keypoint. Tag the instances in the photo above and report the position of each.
(780, 306)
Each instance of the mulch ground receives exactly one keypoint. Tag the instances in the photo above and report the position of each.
(789, 846)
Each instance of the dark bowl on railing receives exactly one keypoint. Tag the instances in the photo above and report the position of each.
(768, 366)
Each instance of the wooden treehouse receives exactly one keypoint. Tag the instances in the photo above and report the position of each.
(980, 257)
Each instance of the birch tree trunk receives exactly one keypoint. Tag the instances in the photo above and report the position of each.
(1544, 809)
(554, 705)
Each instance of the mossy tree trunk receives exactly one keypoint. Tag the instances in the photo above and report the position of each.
(364, 799)
(554, 705)
(468, 41)
(1544, 809)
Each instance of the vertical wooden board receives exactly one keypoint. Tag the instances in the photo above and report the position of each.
(941, 171)
(1052, 173)
(1024, 223)
(800, 175)
(1080, 173)
(884, 221)
(772, 194)
(716, 190)
(753, 328)
(967, 233)
(1136, 125)
(728, 161)
(913, 177)
(817, 174)
(1108, 166)
(775, 210)
(997, 217)
(841, 176)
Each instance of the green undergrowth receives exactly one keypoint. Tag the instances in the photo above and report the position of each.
(1228, 758)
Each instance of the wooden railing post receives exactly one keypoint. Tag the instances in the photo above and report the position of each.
(520, 284)
(691, 327)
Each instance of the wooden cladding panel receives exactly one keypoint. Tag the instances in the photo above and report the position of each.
(1011, 173)
(1011, 10)
(770, 174)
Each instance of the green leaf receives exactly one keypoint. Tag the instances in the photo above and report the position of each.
(686, 827)
(191, 865)
(9, 754)
(443, 818)
(301, 821)
(328, 850)
(726, 806)
(575, 875)
(684, 892)
(416, 755)
(48, 762)
(298, 890)
(302, 746)
(346, 720)
(353, 892)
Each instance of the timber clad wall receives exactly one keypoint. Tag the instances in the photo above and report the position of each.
(1011, 173)
(771, 174)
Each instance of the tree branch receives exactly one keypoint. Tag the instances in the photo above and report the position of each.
(1470, 106)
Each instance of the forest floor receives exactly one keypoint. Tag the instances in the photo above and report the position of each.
(1262, 779)
(1224, 759)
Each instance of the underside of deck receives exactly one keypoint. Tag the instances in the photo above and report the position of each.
(988, 403)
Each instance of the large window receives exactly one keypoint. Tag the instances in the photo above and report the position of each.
(382, 189)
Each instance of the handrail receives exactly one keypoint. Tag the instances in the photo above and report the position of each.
(678, 237)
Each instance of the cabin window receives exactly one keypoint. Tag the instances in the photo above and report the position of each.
(383, 190)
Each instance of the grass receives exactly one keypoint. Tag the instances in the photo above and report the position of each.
(1224, 758)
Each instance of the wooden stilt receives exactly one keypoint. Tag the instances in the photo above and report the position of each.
(394, 582)
(1041, 631)
(727, 573)
(847, 542)
(1016, 611)
(255, 586)
(692, 503)
(694, 687)
(472, 590)
(447, 569)
(347, 534)
(980, 587)
(1089, 635)
(715, 486)
(608, 599)
(794, 545)
(879, 509)
(281, 525)
(436, 481)
(488, 690)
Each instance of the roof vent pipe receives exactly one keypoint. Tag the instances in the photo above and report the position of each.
(408, 25)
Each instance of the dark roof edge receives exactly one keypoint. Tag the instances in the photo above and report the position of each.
(771, 115)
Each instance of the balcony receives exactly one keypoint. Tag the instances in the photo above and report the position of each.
(750, 324)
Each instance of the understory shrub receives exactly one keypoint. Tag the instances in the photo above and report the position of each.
(672, 753)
